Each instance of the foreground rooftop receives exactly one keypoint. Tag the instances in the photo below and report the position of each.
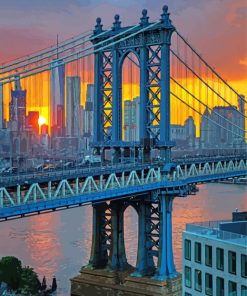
(227, 231)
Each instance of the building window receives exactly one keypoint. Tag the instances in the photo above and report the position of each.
(187, 294)
(232, 289)
(244, 265)
(243, 291)
(208, 255)
(232, 262)
(187, 273)
(198, 280)
(208, 284)
(187, 248)
(219, 286)
(220, 259)
(198, 252)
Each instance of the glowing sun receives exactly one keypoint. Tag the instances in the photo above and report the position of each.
(41, 120)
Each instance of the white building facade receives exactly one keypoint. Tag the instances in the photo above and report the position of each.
(214, 261)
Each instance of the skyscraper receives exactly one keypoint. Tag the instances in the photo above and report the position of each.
(73, 95)
(89, 109)
(131, 119)
(88, 118)
(206, 130)
(57, 98)
(190, 131)
(17, 107)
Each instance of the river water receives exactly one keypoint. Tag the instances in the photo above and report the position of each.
(59, 243)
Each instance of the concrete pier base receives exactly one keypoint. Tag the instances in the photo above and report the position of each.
(105, 283)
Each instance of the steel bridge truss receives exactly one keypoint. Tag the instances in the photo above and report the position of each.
(54, 194)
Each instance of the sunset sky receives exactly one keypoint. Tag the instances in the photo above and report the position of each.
(216, 28)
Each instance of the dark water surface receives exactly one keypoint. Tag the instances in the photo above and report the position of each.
(59, 243)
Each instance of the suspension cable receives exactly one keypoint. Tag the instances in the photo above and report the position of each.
(45, 51)
(210, 119)
(89, 53)
(51, 55)
(204, 82)
(204, 61)
(205, 105)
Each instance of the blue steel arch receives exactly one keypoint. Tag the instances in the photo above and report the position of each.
(125, 55)
(122, 60)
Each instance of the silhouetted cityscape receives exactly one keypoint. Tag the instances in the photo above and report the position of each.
(28, 142)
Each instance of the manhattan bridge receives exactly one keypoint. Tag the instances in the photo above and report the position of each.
(174, 80)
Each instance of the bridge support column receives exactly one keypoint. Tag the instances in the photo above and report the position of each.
(117, 257)
(108, 249)
(99, 257)
(165, 267)
(145, 263)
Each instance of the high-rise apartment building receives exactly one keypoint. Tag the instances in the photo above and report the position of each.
(73, 95)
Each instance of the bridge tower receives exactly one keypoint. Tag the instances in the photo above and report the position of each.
(150, 42)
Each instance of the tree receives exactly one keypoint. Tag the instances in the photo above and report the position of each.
(10, 271)
(29, 283)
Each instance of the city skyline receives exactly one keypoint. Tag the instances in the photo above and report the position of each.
(231, 16)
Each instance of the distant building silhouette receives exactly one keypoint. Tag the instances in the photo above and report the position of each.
(32, 120)
(17, 108)
(184, 135)
(73, 95)
(131, 119)
(57, 93)
(88, 116)
(223, 127)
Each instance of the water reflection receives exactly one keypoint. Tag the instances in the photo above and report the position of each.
(59, 243)
(131, 234)
(44, 244)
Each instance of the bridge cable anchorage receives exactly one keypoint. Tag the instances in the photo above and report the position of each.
(205, 105)
(205, 62)
(204, 82)
(239, 136)
(55, 54)
(85, 55)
